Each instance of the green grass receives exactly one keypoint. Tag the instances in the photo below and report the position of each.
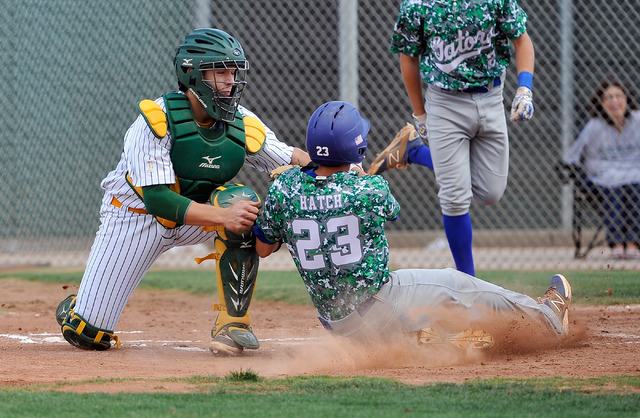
(243, 393)
(272, 285)
(243, 376)
(323, 396)
(593, 287)
(589, 287)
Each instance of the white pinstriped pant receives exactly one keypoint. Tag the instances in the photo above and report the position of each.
(125, 247)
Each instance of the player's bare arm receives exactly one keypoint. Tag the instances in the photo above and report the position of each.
(410, 67)
(264, 250)
(300, 157)
(237, 217)
(525, 55)
(522, 106)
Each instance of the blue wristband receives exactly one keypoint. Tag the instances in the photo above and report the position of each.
(525, 79)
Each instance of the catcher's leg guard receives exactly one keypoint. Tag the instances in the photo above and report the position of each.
(64, 307)
(81, 334)
(237, 271)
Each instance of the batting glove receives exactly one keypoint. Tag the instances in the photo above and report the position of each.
(420, 122)
(522, 106)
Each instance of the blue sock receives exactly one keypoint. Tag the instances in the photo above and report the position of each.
(422, 156)
(460, 235)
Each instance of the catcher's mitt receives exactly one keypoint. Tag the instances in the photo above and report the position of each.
(396, 155)
(277, 171)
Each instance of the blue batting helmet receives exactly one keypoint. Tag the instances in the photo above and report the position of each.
(337, 135)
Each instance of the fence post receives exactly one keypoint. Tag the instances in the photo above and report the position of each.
(348, 50)
(566, 108)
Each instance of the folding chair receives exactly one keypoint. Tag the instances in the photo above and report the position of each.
(586, 196)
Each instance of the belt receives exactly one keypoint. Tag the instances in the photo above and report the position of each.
(164, 222)
(115, 202)
(474, 90)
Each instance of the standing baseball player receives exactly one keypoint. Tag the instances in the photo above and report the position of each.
(170, 189)
(332, 221)
(461, 50)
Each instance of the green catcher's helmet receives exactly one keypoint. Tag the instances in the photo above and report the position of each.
(205, 49)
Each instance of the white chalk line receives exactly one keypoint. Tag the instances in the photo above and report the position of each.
(183, 345)
(187, 345)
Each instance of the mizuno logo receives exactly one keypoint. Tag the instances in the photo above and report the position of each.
(209, 163)
(210, 160)
(186, 62)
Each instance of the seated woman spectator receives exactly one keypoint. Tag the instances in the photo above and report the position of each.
(608, 149)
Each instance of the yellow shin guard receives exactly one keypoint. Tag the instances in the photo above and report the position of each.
(236, 271)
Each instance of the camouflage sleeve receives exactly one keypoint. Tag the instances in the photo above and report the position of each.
(392, 206)
(267, 220)
(407, 36)
(513, 20)
(389, 208)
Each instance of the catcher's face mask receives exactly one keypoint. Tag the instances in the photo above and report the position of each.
(205, 51)
(225, 82)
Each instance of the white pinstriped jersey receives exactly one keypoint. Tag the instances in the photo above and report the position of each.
(147, 159)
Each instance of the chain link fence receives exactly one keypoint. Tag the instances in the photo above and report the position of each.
(74, 71)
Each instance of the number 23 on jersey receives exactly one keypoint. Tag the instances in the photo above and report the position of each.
(309, 241)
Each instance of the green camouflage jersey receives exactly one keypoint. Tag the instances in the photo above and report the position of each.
(334, 228)
(462, 43)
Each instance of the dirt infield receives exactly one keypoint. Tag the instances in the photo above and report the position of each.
(166, 334)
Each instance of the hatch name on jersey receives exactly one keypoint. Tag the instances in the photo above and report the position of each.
(333, 201)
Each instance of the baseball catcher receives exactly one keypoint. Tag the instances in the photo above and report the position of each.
(171, 188)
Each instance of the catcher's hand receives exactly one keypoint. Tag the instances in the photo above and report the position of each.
(277, 171)
(522, 106)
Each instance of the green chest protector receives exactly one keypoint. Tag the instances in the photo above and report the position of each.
(203, 159)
